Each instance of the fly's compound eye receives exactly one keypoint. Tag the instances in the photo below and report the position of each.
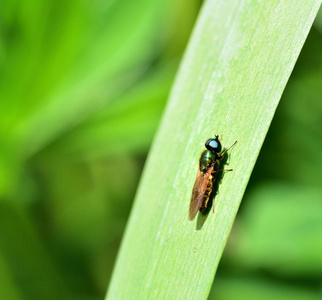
(213, 145)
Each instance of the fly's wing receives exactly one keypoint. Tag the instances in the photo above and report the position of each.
(198, 192)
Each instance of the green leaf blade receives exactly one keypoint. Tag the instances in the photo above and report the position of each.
(232, 77)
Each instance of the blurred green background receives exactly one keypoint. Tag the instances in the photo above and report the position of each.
(83, 87)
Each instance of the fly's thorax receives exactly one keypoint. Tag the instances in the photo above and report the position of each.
(206, 159)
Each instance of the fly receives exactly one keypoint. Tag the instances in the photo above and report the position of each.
(209, 163)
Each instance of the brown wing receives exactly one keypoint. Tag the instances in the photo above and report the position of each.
(198, 192)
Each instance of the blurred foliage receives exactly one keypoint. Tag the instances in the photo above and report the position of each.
(83, 86)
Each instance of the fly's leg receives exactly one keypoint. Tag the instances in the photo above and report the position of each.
(222, 154)
(224, 170)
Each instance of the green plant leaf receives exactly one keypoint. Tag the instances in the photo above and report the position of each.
(232, 77)
(63, 61)
(110, 63)
(126, 125)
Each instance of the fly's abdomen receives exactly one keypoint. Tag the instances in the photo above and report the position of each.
(207, 193)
